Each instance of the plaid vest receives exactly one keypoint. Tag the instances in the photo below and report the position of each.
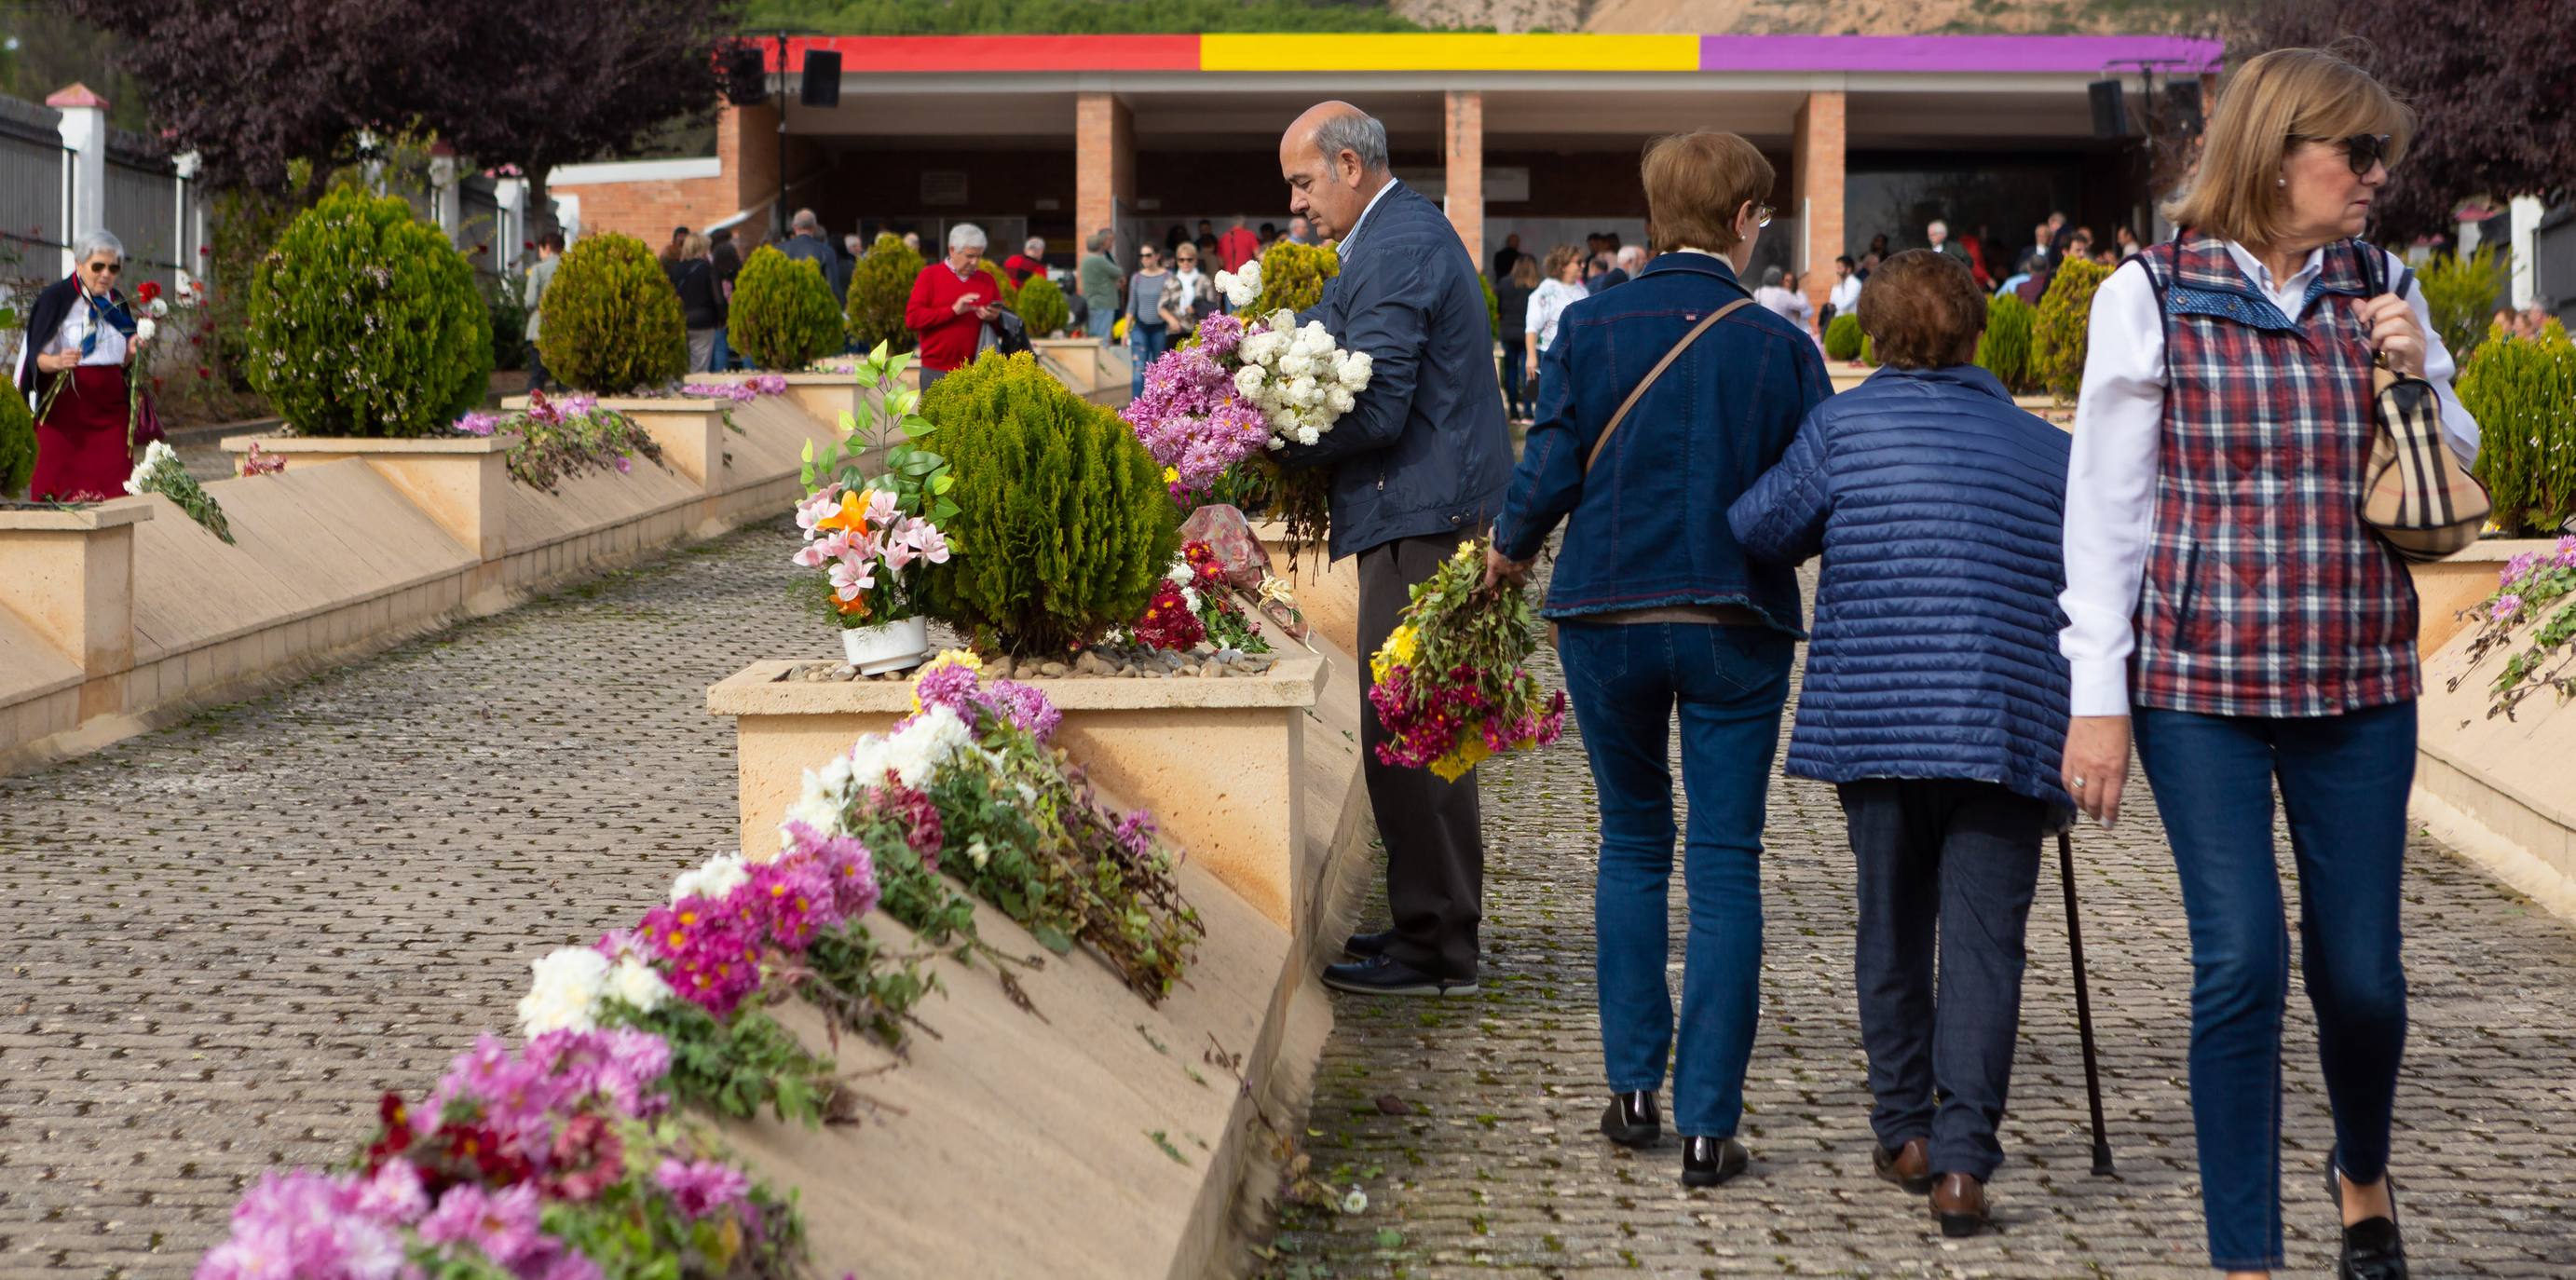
(2264, 593)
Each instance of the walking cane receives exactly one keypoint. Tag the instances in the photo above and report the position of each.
(2083, 1005)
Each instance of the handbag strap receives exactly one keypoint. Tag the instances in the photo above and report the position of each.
(1657, 372)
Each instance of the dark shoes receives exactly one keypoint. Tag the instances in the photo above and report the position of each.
(1632, 1119)
(1386, 976)
(2372, 1248)
(1908, 1166)
(1959, 1201)
(1707, 1162)
(1364, 945)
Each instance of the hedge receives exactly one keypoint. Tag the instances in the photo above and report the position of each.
(1043, 308)
(2522, 391)
(2057, 331)
(2004, 349)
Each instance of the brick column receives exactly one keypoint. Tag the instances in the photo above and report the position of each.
(1462, 147)
(1818, 181)
(1104, 165)
(747, 149)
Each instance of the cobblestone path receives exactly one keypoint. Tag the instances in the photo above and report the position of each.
(228, 936)
(1470, 1123)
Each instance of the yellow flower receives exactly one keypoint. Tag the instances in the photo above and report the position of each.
(1171, 475)
(1402, 645)
(1470, 750)
(947, 658)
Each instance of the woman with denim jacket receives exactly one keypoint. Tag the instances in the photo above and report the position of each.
(1658, 609)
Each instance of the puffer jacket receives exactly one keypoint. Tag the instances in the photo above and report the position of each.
(1938, 508)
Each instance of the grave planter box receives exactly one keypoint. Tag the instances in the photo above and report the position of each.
(2445, 587)
(460, 482)
(1217, 760)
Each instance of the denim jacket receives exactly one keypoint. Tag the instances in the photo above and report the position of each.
(1647, 527)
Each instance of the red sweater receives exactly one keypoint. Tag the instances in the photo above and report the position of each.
(1236, 247)
(947, 335)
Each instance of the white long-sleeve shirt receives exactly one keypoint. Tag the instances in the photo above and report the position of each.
(2111, 479)
(1547, 302)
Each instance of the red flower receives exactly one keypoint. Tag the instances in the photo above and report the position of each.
(204, 372)
(148, 290)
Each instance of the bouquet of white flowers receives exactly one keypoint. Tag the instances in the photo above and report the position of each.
(1300, 380)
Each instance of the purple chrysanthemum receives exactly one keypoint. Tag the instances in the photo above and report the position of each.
(304, 1224)
(703, 1187)
(1193, 421)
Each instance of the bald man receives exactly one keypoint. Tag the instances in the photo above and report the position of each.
(1418, 464)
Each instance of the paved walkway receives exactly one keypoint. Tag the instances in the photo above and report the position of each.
(1471, 1123)
(227, 936)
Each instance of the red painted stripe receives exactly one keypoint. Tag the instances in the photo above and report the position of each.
(898, 55)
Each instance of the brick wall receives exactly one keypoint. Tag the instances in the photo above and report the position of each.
(1818, 181)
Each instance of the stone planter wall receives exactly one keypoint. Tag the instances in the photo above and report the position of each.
(2444, 588)
(1216, 760)
(2501, 792)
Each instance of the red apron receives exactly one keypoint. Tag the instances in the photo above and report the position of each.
(80, 442)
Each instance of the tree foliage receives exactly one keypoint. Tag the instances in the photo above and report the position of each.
(879, 286)
(17, 442)
(612, 320)
(2495, 106)
(251, 85)
(366, 322)
(2461, 294)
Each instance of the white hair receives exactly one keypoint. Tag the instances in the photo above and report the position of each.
(1034, 246)
(805, 221)
(1937, 225)
(1631, 257)
(1360, 134)
(966, 235)
(95, 243)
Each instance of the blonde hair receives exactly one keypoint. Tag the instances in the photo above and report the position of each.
(697, 246)
(2268, 107)
(1695, 183)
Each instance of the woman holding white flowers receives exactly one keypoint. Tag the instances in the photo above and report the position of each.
(82, 338)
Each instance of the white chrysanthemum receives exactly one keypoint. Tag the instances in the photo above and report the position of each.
(931, 740)
(1190, 598)
(145, 328)
(1296, 365)
(1308, 435)
(978, 852)
(1283, 321)
(1248, 380)
(635, 982)
(1338, 401)
(566, 988)
(1355, 371)
(712, 879)
(1179, 573)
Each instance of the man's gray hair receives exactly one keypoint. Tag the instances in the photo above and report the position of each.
(966, 235)
(1034, 246)
(1101, 240)
(1772, 276)
(1937, 225)
(95, 243)
(1632, 257)
(806, 221)
(1361, 134)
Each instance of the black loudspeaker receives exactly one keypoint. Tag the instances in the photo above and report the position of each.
(745, 73)
(821, 86)
(2182, 109)
(2110, 109)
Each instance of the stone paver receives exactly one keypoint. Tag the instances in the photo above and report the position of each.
(228, 936)
(1491, 1164)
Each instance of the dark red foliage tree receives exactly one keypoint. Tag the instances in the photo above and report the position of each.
(252, 85)
(2489, 80)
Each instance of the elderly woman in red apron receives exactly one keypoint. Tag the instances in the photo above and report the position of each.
(81, 341)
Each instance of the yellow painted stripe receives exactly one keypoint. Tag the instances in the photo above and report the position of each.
(1448, 51)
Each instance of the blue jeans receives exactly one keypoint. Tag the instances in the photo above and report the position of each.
(1515, 365)
(1941, 864)
(1144, 342)
(2344, 781)
(722, 360)
(1729, 683)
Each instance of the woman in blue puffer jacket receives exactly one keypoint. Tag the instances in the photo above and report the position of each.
(1935, 699)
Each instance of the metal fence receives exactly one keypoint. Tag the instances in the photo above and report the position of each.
(2553, 251)
(154, 212)
(35, 187)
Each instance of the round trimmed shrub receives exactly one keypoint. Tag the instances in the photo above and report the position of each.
(611, 321)
(1063, 525)
(2522, 391)
(365, 321)
(2004, 349)
(1843, 337)
(1001, 282)
(783, 314)
(879, 286)
(1293, 276)
(17, 442)
(1043, 308)
(2057, 331)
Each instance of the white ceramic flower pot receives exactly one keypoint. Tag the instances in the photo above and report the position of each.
(890, 647)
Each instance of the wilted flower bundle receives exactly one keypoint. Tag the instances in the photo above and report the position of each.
(562, 437)
(864, 544)
(161, 472)
(1449, 685)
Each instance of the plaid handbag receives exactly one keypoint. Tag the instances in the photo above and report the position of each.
(2415, 495)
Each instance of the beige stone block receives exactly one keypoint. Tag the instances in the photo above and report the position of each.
(70, 579)
(460, 482)
(2444, 588)
(1149, 741)
(691, 434)
(2504, 787)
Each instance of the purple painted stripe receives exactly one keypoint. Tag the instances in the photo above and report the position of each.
(1958, 54)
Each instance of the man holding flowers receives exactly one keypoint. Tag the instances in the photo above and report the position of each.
(1417, 463)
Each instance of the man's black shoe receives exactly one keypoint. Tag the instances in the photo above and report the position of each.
(1707, 1162)
(1387, 976)
(2372, 1247)
(1363, 945)
(1632, 1120)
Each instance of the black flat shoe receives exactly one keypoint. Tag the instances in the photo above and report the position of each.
(1631, 1119)
(1387, 976)
(2372, 1247)
(1361, 946)
(1707, 1162)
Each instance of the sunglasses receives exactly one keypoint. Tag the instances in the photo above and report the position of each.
(2362, 151)
(1762, 215)
(106, 268)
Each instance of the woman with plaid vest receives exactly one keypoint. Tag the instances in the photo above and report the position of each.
(2227, 606)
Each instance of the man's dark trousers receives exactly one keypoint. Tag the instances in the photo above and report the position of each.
(1965, 856)
(1435, 852)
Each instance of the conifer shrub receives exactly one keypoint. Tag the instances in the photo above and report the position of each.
(17, 443)
(1493, 307)
(2460, 294)
(1869, 350)
(365, 321)
(2057, 331)
(1063, 526)
(2004, 349)
(1043, 308)
(783, 314)
(612, 320)
(1843, 337)
(879, 286)
(1293, 276)
(1002, 289)
(2522, 391)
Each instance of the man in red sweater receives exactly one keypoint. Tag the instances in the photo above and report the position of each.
(1237, 246)
(950, 302)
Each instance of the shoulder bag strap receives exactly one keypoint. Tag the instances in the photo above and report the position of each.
(1657, 372)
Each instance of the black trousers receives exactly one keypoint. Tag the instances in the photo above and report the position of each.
(1435, 851)
(1958, 859)
(538, 378)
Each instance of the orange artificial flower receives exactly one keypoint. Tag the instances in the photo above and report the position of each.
(852, 517)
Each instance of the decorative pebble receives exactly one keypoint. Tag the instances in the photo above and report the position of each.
(1051, 670)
